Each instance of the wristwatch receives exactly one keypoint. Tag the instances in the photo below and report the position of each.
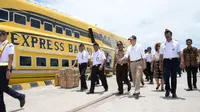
(8, 69)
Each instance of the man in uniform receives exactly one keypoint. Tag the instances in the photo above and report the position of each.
(170, 52)
(121, 69)
(135, 53)
(97, 67)
(190, 55)
(82, 58)
(6, 59)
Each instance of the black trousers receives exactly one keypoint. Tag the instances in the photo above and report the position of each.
(130, 75)
(191, 71)
(122, 75)
(149, 73)
(199, 67)
(170, 70)
(5, 88)
(94, 74)
(82, 69)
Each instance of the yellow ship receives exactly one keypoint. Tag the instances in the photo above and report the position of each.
(46, 40)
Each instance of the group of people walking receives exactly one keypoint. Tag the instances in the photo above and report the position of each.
(162, 65)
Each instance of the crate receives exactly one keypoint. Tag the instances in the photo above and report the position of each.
(69, 78)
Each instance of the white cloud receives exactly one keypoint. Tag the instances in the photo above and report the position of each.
(146, 19)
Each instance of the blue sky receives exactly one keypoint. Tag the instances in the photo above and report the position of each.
(143, 18)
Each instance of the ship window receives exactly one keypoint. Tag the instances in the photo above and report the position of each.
(25, 61)
(41, 61)
(68, 32)
(59, 29)
(4, 15)
(65, 63)
(54, 62)
(48, 26)
(76, 34)
(73, 61)
(19, 19)
(35, 23)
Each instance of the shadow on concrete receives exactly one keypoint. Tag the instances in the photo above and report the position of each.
(157, 91)
(170, 98)
(16, 110)
(123, 95)
(132, 96)
(98, 85)
(193, 90)
(100, 93)
(81, 91)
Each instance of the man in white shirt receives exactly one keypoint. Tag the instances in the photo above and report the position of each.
(148, 62)
(6, 59)
(108, 60)
(97, 67)
(82, 58)
(170, 51)
(145, 70)
(135, 53)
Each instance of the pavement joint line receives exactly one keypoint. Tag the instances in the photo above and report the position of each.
(91, 103)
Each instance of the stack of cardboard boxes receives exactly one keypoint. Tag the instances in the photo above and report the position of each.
(67, 78)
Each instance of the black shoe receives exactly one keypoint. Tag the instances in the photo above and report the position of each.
(90, 92)
(142, 83)
(195, 87)
(151, 82)
(22, 100)
(129, 87)
(136, 94)
(119, 93)
(189, 89)
(106, 89)
(166, 93)
(162, 89)
(157, 87)
(174, 95)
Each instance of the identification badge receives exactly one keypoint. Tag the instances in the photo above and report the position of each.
(82, 56)
(97, 59)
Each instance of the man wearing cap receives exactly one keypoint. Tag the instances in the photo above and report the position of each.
(135, 53)
(6, 59)
(121, 68)
(97, 67)
(82, 58)
(170, 52)
(148, 62)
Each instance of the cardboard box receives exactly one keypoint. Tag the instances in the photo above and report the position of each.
(67, 78)
(57, 80)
